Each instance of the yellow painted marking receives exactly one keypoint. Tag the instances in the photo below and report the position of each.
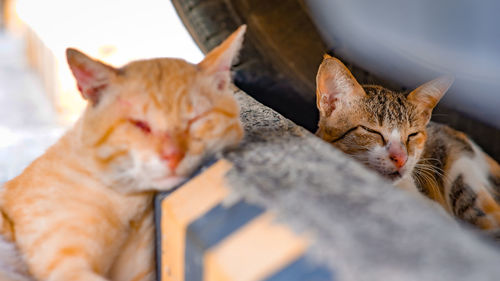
(184, 206)
(254, 252)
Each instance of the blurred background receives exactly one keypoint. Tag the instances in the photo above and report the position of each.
(38, 94)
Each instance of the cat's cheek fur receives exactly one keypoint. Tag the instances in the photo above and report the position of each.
(188, 164)
(136, 172)
(379, 160)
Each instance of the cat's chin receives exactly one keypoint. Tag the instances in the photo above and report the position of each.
(167, 183)
(394, 176)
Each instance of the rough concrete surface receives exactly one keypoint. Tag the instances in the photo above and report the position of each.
(364, 229)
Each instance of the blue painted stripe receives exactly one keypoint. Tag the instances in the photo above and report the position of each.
(212, 228)
(157, 205)
(302, 270)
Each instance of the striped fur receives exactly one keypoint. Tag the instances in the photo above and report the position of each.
(83, 210)
(390, 132)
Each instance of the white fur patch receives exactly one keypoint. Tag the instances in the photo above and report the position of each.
(139, 172)
(473, 169)
(395, 136)
(379, 160)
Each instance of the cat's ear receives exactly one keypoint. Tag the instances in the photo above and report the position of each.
(428, 95)
(92, 76)
(218, 62)
(334, 82)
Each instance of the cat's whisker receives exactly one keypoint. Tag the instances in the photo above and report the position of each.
(429, 159)
(428, 164)
(423, 177)
(433, 169)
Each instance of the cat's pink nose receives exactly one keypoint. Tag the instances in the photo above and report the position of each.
(399, 159)
(173, 151)
(173, 159)
(397, 154)
(172, 154)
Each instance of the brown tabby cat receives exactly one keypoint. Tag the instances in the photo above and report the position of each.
(83, 210)
(390, 132)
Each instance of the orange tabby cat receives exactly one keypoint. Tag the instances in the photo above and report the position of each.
(390, 133)
(83, 210)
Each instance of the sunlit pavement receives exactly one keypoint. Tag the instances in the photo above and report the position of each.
(27, 121)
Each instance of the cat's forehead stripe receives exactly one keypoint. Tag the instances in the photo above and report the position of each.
(387, 107)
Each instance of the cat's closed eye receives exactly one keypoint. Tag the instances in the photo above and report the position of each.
(142, 125)
(205, 125)
(411, 136)
(371, 131)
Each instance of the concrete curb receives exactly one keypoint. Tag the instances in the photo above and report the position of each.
(205, 236)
